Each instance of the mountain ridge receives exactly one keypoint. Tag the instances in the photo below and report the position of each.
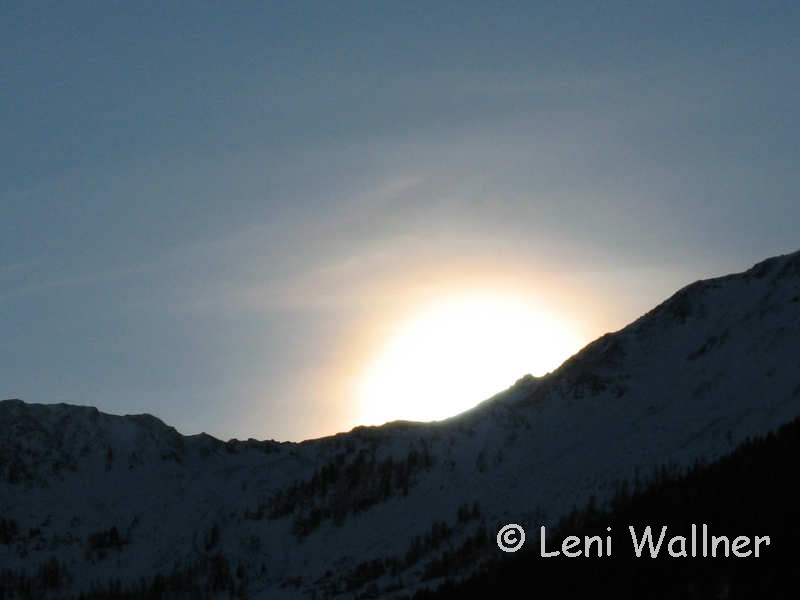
(373, 508)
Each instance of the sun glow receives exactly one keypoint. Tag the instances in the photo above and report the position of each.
(445, 359)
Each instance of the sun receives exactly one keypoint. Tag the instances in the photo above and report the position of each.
(451, 355)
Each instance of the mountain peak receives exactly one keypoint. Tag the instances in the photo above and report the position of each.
(709, 367)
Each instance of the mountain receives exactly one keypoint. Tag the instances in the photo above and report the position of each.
(747, 497)
(91, 501)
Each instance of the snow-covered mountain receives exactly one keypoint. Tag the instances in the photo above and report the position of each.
(88, 498)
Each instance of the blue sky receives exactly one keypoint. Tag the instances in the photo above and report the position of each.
(216, 214)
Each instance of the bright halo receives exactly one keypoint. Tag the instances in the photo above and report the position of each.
(444, 360)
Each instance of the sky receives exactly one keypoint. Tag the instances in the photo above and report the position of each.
(236, 217)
